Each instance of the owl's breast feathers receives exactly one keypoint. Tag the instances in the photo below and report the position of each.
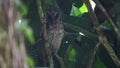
(55, 30)
(55, 36)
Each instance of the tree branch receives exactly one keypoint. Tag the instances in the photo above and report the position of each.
(102, 38)
(92, 55)
(45, 37)
(79, 29)
(108, 17)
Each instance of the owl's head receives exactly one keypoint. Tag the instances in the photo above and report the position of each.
(53, 18)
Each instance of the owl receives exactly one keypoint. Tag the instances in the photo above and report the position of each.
(55, 30)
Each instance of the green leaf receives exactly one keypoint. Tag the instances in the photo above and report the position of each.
(22, 25)
(75, 11)
(29, 34)
(106, 24)
(99, 63)
(83, 9)
(80, 11)
(79, 38)
(24, 9)
(30, 62)
(72, 55)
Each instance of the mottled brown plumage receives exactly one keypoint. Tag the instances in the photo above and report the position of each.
(55, 30)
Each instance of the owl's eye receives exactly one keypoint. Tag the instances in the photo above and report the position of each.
(48, 16)
(57, 15)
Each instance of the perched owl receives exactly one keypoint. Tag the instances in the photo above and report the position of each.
(55, 30)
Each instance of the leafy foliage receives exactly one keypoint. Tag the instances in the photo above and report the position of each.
(30, 62)
(23, 26)
(22, 7)
(72, 55)
(76, 19)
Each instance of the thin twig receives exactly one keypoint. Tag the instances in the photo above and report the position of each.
(89, 65)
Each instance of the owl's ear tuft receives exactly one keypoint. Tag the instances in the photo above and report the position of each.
(48, 16)
(57, 15)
